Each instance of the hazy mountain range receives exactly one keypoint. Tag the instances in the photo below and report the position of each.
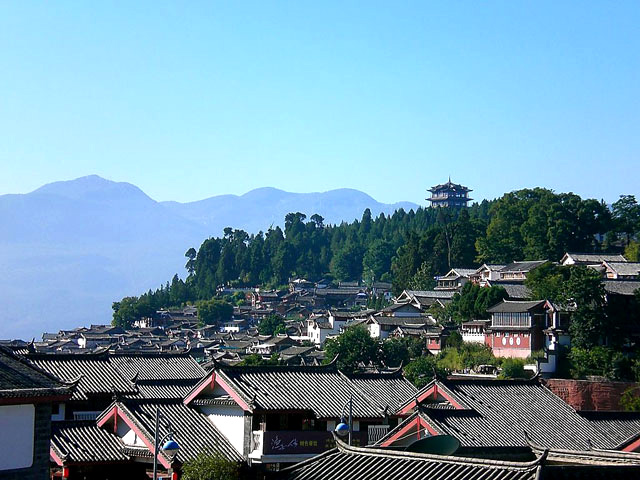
(69, 249)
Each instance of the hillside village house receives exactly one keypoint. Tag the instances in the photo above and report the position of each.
(486, 273)
(516, 328)
(517, 271)
(423, 299)
(455, 279)
(590, 259)
(621, 270)
(320, 327)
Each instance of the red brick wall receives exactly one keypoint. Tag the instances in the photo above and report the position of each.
(588, 395)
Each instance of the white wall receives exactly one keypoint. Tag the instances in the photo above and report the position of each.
(127, 435)
(230, 421)
(17, 428)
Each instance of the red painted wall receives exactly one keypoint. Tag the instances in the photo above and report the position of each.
(588, 395)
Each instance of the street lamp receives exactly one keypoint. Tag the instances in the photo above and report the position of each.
(342, 428)
(170, 446)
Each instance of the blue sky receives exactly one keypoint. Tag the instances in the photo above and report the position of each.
(189, 100)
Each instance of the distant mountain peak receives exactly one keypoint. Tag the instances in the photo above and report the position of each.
(92, 186)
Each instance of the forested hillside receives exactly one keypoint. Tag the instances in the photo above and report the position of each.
(406, 248)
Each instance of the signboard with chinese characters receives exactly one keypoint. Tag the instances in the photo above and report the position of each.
(301, 442)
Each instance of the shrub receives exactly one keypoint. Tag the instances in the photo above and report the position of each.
(210, 466)
(513, 368)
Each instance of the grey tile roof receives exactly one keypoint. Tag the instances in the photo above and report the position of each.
(522, 266)
(430, 293)
(20, 379)
(152, 366)
(620, 427)
(193, 430)
(96, 374)
(159, 389)
(322, 390)
(595, 258)
(357, 463)
(621, 287)
(515, 290)
(401, 321)
(514, 306)
(85, 442)
(625, 268)
(387, 390)
(500, 411)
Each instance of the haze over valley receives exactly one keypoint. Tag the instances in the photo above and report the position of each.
(71, 248)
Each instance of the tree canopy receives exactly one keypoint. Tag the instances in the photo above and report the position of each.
(406, 248)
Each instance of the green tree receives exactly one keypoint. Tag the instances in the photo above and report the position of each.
(272, 325)
(377, 260)
(395, 351)
(191, 260)
(547, 282)
(632, 251)
(589, 322)
(347, 262)
(630, 400)
(422, 370)
(130, 309)
(210, 466)
(214, 311)
(353, 347)
(513, 368)
(423, 279)
(600, 361)
(255, 360)
(626, 216)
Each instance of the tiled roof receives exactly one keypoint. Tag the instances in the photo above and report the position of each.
(85, 442)
(522, 266)
(20, 379)
(501, 411)
(151, 366)
(357, 463)
(167, 389)
(621, 287)
(430, 293)
(515, 290)
(322, 390)
(387, 390)
(620, 427)
(595, 257)
(193, 430)
(401, 321)
(96, 374)
(514, 306)
(625, 268)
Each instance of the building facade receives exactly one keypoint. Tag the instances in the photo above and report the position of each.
(450, 195)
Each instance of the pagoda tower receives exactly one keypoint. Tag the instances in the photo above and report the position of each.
(449, 195)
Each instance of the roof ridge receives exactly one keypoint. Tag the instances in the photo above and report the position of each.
(343, 447)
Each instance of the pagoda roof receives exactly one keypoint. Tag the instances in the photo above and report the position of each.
(450, 186)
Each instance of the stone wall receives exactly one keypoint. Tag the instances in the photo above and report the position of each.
(590, 395)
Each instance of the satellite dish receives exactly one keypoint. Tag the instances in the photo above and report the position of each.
(436, 444)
